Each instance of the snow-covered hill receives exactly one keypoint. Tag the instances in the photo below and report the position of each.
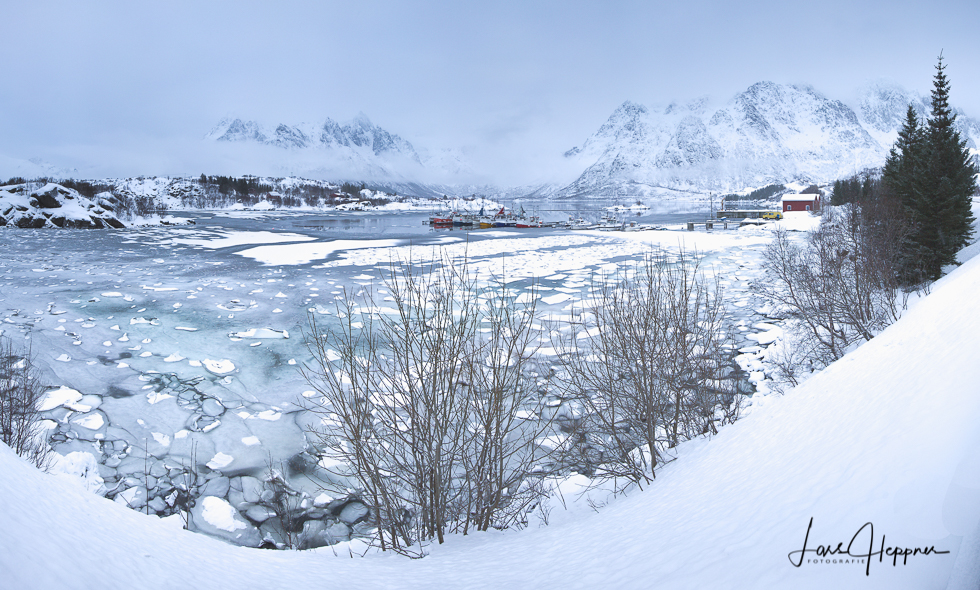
(876, 454)
(768, 133)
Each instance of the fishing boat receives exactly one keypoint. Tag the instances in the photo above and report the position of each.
(530, 222)
(441, 219)
(483, 220)
(579, 223)
(609, 223)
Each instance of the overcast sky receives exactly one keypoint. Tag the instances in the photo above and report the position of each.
(136, 85)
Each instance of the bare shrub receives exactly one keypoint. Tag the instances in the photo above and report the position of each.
(647, 365)
(21, 391)
(841, 284)
(283, 501)
(419, 403)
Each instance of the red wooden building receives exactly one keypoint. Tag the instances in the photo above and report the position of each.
(800, 202)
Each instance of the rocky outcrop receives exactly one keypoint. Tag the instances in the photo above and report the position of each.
(55, 206)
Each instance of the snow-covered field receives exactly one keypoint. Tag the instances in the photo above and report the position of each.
(886, 436)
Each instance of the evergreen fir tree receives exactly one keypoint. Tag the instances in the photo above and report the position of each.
(931, 171)
(947, 181)
(902, 166)
(903, 161)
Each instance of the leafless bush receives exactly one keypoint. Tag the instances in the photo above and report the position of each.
(647, 366)
(421, 402)
(20, 393)
(841, 284)
(279, 497)
(186, 484)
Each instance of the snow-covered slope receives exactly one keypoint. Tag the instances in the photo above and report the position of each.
(887, 436)
(768, 133)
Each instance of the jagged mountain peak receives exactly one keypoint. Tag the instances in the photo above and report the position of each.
(356, 149)
(236, 129)
(362, 120)
(630, 108)
(767, 133)
(883, 104)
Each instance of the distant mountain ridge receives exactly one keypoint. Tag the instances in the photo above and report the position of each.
(768, 133)
(357, 150)
(360, 134)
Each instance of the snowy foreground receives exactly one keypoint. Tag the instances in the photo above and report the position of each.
(880, 448)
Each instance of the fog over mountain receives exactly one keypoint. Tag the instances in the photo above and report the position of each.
(767, 133)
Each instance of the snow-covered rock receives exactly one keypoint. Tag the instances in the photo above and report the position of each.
(214, 516)
(53, 205)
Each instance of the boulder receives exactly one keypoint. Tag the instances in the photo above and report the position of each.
(47, 200)
(259, 514)
(252, 489)
(212, 407)
(157, 504)
(353, 513)
(216, 487)
(318, 533)
(215, 517)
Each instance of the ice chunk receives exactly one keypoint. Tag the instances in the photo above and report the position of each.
(219, 367)
(221, 515)
(93, 421)
(157, 396)
(264, 333)
(174, 358)
(59, 397)
(555, 299)
(250, 441)
(220, 461)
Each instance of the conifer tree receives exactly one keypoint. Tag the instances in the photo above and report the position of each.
(932, 173)
(904, 159)
(902, 167)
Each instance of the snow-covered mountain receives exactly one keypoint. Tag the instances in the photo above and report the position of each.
(357, 150)
(32, 168)
(768, 133)
(360, 135)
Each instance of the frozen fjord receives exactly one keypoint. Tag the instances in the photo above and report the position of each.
(181, 341)
(726, 515)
